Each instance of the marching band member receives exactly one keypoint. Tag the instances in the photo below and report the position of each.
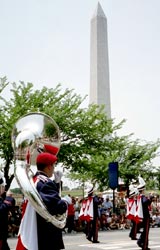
(89, 213)
(131, 211)
(35, 232)
(4, 210)
(145, 202)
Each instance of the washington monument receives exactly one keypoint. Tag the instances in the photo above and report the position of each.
(99, 65)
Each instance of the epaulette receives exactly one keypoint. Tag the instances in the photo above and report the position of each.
(41, 178)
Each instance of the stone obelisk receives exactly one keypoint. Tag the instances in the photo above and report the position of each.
(99, 62)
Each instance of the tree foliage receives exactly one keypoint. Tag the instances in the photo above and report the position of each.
(89, 140)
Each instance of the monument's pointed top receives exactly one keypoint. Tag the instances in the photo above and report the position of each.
(99, 12)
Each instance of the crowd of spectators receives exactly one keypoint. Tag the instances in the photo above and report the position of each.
(108, 219)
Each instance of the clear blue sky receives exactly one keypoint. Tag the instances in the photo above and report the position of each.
(47, 42)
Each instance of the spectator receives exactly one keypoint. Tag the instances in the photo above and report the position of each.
(70, 216)
(107, 205)
(76, 214)
(11, 217)
(156, 220)
(9, 197)
(114, 224)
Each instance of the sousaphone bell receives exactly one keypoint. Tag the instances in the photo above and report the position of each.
(32, 134)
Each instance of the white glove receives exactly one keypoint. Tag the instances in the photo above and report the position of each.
(58, 176)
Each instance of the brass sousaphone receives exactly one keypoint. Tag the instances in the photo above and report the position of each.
(29, 136)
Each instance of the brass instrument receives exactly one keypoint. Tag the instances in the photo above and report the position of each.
(29, 135)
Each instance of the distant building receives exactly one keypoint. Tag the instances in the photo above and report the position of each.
(99, 62)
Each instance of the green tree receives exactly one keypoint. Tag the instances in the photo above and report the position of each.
(89, 140)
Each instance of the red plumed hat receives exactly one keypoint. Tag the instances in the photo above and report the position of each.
(46, 159)
(51, 149)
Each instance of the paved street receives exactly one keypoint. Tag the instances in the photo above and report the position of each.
(109, 240)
